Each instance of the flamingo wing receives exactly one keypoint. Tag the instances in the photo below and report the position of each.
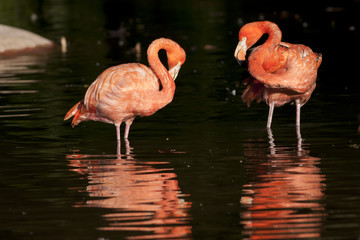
(290, 66)
(117, 82)
(276, 60)
(273, 63)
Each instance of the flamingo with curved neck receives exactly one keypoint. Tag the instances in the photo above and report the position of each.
(281, 72)
(125, 91)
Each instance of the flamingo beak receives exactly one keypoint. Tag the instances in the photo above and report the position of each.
(240, 51)
(174, 71)
(239, 61)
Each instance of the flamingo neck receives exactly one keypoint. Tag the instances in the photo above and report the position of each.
(168, 84)
(273, 31)
(260, 54)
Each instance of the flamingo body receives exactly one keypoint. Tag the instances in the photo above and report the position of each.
(125, 91)
(281, 72)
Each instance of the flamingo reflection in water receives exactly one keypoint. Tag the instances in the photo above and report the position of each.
(284, 199)
(143, 198)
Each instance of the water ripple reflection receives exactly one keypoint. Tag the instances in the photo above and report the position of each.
(16, 94)
(144, 200)
(283, 198)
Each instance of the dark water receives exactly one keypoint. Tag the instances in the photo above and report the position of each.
(204, 167)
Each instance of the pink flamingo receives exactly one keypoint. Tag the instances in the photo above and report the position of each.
(282, 72)
(125, 91)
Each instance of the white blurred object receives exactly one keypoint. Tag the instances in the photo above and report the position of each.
(15, 39)
(63, 44)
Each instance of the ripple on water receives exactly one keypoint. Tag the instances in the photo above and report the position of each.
(142, 198)
(283, 197)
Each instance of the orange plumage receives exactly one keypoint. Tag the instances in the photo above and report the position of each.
(125, 91)
(281, 72)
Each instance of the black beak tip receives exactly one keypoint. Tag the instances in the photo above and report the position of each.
(239, 61)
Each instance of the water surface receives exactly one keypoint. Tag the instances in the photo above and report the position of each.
(204, 167)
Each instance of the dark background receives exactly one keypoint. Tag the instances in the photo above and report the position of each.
(216, 148)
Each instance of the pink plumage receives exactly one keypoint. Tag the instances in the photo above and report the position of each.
(125, 91)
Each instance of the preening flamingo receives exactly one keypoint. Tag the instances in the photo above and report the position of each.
(125, 91)
(281, 72)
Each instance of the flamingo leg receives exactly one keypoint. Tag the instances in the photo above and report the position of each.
(118, 149)
(298, 106)
(271, 110)
(128, 148)
(127, 128)
(118, 132)
(271, 141)
(298, 133)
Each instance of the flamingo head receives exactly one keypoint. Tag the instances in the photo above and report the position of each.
(176, 58)
(240, 51)
(249, 34)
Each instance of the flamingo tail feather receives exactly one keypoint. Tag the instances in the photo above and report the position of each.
(253, 91)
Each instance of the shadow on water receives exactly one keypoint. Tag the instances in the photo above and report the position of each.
(143, 199)
(283, 198)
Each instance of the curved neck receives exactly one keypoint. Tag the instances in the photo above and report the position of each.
(260, 54)
(168, 84)
(252, 32)
(273, 31)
